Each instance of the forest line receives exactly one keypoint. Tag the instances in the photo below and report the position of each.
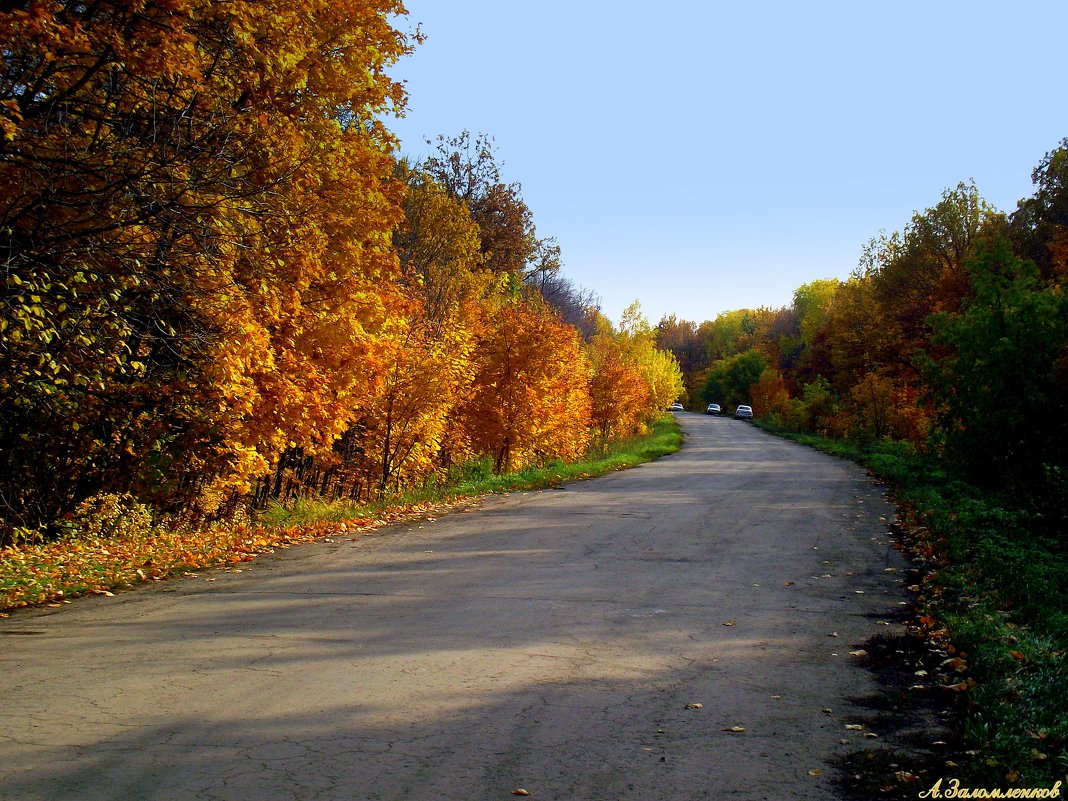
(951, 335)
(223, 287)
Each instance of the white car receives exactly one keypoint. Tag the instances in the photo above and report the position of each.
(713, 408)
(743, 412)
(676, 407)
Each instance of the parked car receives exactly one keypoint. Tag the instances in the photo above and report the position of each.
(713, 408)
(743, 412)
(676, 407)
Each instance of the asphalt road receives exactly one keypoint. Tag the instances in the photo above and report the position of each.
(550, 641)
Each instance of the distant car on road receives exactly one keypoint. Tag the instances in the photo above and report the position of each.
(676, 407)
(713, 408)
(743, 412)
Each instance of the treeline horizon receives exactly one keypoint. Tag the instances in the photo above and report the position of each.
(951, 335)
(223, 287)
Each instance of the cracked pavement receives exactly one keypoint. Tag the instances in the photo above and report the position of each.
(550, 641)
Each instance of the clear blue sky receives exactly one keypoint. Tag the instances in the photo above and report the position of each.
(707, 156)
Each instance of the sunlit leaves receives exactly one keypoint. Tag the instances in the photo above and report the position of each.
(195, 230)
(620, 397)
(529, 401)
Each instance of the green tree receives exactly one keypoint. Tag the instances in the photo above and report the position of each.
(1039, 227)
(812, 305)
(730, 380)
(1002, 388)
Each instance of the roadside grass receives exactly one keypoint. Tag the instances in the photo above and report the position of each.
(104, 561)
(993, 594)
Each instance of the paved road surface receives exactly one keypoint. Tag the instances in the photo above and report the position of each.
(549, 641)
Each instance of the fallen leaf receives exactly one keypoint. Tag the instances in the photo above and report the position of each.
(519, 791)
(695, 706)
(734, 729)
(960, 687)
(858, 652)
(815, 772)
(730, 622)
(788, 584)
(870, 734)
(854, 727)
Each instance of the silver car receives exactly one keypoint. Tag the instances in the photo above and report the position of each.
(743, 412)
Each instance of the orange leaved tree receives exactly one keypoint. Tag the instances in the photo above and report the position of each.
(195, 217)
(619, 394)
(530, 399)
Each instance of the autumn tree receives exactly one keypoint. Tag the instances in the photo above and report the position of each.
(875, 403)
(681, 338)
(812, 305)
(403, 425)
(729, 334)
(770, 394)
(658, 367)
(530, 399)
(620, 397)
(466, 166)
(922, 270)
(195, 210)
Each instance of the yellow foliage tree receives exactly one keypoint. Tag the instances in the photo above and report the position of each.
(530, 399)
(658, 367)
(403, 425)
(619, 394)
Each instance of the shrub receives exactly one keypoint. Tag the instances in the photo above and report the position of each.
(108, 515)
